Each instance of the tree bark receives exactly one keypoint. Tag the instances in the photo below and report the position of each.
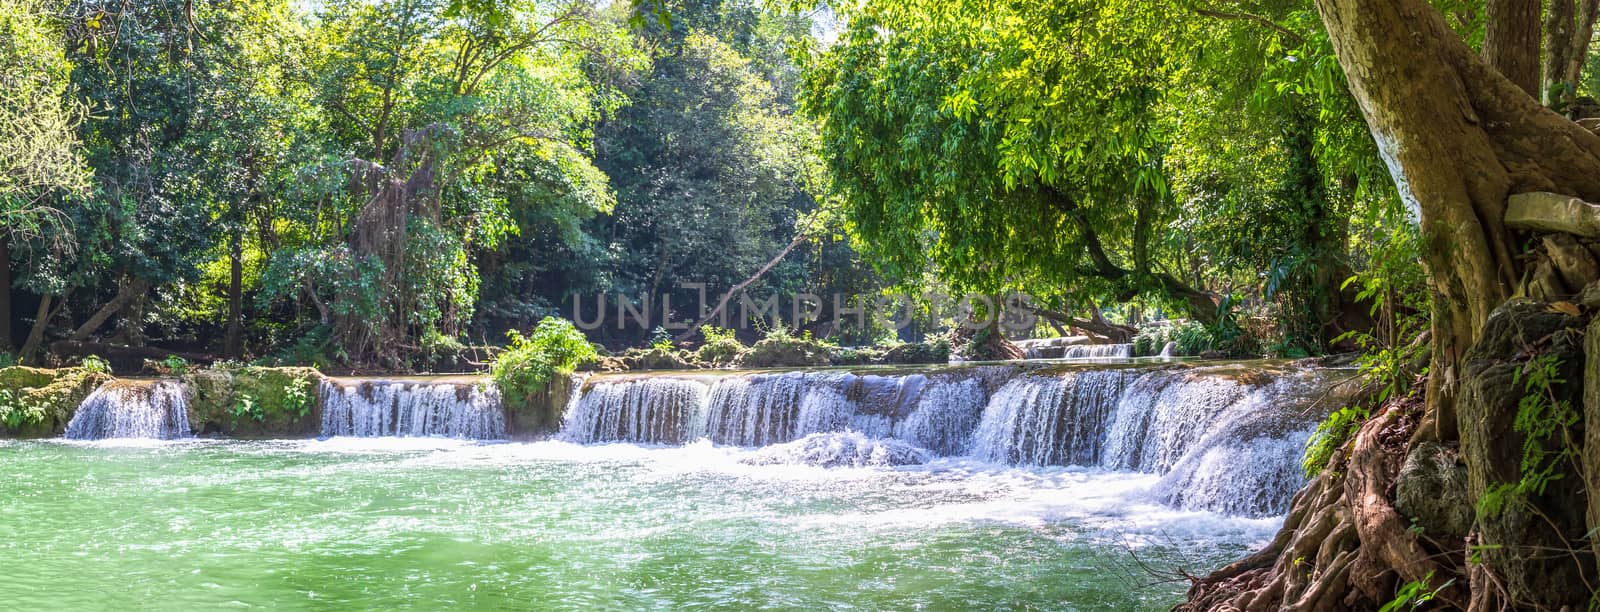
(1117, 334)
(1558, 31)
(130, 289)
(1458, 138)
(231, 345)
(1511, 41)
(1582, 36)
(5, 293)
(41, 320)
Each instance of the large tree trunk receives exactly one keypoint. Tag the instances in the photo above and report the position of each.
(1458, 138)
(5, 293)
(1511, 41)
(41, 320)
(1558, 30)
(130, 288)
(231, 345)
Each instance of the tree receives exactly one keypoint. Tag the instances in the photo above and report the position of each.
(1000, 155)
(40, 154)
(1460, 139)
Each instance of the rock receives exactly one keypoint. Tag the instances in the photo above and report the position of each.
(1545, 284)
(1572, 262)
(285, 400)
(933, 350)
(783, 350)
(840, 449)
(657, 359)
(1492, 388)
(1432, 490)
(38, 402)
(1552, 212)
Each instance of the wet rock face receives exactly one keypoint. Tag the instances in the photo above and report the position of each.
(1432, 491)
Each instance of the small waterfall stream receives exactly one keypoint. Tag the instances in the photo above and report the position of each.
(376, 408)
(132, 409)
(1221, 438)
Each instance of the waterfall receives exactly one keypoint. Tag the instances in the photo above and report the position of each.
(650, 410)
(1098, 351)
(1169, 349)
(1049, 420)
(410, 408)
(1221, 438)
(129, 409)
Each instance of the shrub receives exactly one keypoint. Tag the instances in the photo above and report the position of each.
(1192, 337)
(94, 364)
(555, 346)
(175, 365)
(721, 346)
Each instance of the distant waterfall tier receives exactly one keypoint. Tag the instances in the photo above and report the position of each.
(377, 408)
(1223, 437)
(132, 409)
(1099, 351)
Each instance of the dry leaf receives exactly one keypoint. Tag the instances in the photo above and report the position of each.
(1568, 308)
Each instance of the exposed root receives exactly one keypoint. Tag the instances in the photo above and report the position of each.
(1343, 545)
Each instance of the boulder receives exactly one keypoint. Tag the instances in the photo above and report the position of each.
(1543, 211)
(1432, 491)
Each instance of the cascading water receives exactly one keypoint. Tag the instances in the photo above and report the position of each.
(1049, 420)
(1098, 351)
(132, 409)
(409, 408)
(1222, 438)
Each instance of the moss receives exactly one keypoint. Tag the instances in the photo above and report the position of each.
(36, 402)
(936, 350)
(255, 401)
(720, 352)
(19, 377)
(783, 350)
(659, 359)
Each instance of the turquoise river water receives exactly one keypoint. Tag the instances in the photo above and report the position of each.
(431, 524)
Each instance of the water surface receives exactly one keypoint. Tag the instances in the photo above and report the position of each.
(428, 524)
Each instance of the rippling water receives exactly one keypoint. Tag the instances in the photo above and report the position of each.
(384, 523)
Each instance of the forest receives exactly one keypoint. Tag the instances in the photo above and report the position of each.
(397, 186)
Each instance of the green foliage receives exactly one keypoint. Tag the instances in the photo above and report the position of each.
(661, 339)
(175, 365)
(721, 347)
(554, 347)
(39, 148)
(1415, 594)
(16, 412)
(95, 364)
(1331, 435)
(1190, 337)
(7, 359)
(245, 406)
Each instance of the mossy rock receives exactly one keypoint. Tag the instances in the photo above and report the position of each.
(721, 352)
(38, 402)
(255, 401)
(787, 351)
(932, 351)
(658, 359)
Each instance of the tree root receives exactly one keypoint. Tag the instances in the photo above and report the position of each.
(1343, 545)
